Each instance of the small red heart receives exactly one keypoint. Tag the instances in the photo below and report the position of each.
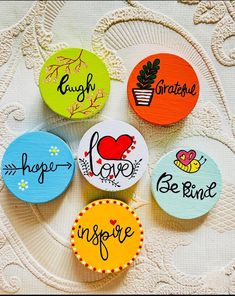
(86, 153)
(132, 147)
(113, 222)
(123, 156)
(128, 151)
(99, 161)
(110, 176)
(134, 142)
(91, 174)
(133, 137)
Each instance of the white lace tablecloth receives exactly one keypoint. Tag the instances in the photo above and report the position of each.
(195, 256)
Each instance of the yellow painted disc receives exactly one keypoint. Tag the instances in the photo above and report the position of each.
(107, 236)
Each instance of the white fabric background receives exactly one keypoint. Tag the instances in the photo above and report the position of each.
(210, 250)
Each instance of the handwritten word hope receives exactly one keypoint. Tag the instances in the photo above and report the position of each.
(40, 168)
(98, 237)
(165, 184)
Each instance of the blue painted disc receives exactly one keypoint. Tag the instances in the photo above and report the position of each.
(186, 183)
(37, 167)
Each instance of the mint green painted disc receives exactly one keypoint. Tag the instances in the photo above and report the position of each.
(186, 183)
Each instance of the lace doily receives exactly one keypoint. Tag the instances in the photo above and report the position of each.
(34, 247)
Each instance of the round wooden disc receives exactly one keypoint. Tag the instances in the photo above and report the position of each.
(112, 155)
(163, 89)
(186, 183)
(74, 83)
(109, 244)
(37, 167)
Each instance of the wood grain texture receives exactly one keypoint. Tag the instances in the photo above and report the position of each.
(186, 183)
(37, 167)
(163, 89)
(74, 83)
(112, 155)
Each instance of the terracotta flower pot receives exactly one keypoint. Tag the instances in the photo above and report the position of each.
(143, 97)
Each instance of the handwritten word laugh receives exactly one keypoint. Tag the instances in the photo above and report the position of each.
(63, 88)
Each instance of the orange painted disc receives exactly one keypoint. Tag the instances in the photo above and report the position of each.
(163, 88)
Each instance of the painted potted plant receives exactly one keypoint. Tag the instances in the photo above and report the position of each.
(144, 93)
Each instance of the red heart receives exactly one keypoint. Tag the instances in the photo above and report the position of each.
(109, 148)
(91, 174)
(86, 153)
(99, 161)
(186, 157)
(110, 176)
(113, 222)
(132, 147)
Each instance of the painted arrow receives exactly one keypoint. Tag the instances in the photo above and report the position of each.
(11, 169)
(68, 164)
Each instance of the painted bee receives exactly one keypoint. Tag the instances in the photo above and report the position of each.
(186, 161)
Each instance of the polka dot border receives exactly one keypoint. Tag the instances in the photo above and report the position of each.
(100, 202)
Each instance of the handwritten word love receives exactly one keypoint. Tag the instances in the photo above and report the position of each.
(98, 237)
(123, 166)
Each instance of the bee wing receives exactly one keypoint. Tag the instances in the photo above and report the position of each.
(192, 155)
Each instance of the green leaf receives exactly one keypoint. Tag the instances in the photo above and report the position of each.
(147, 86)
(149, 64)
(145, 68)
(156, 62)
(139, 85)
(140, 79)
(142, 73)
(151, 81)
(153, 76)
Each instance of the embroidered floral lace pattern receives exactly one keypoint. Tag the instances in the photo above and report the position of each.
(155, 270)
(221, 13)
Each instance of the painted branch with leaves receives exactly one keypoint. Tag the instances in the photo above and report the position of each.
(93, 104)
(148, 74)
(136, 167)
(64, 63)
(112, 182)
(85, 166)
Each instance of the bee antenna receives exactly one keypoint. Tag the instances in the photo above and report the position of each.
(200, 158)
(204, 161)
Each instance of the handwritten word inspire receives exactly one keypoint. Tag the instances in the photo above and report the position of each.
(98, 237)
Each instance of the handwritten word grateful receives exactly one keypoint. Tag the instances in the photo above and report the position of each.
(165, 184)
(98, 237)
(175, 89)
(63, 88)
